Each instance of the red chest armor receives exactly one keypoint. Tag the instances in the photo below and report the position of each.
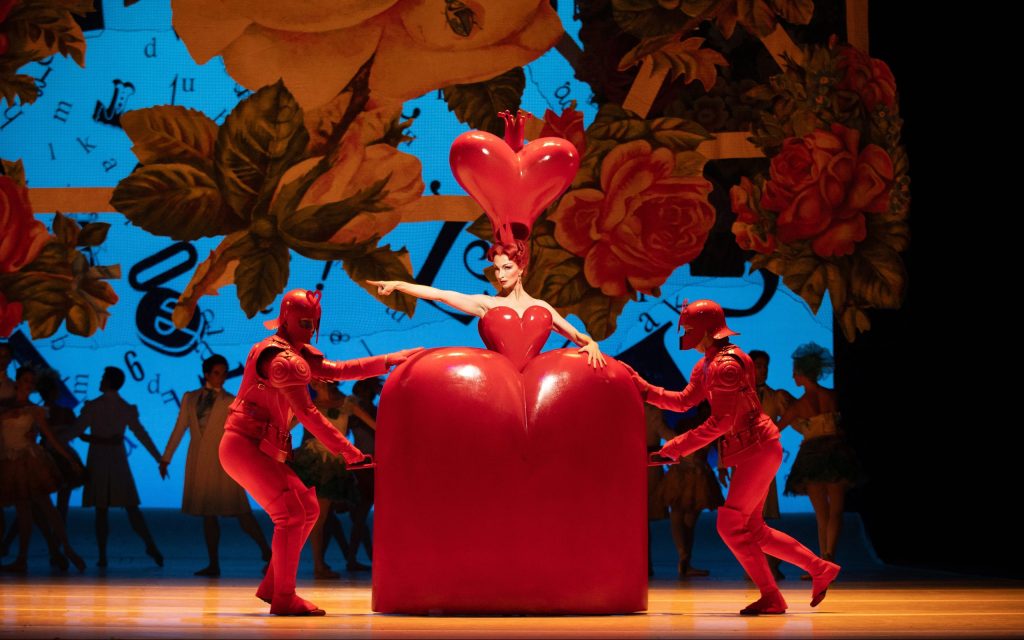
(260, 406)
(728, 377)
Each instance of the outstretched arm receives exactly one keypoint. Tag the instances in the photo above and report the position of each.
(141, 433)
(586, 344)
(660, 397)
(725, 378)
(176, 435)
(356, 369)
(472, 304)
(793, 415)
(302, 406)
(289, 375)
(697, 438)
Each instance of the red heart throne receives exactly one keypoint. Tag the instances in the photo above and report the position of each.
(508, 489)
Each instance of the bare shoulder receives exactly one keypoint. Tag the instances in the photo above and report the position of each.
(486, 301)
(547, 305)
(802, 407)
(828, 400)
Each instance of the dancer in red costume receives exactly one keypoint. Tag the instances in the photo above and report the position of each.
(750, 443)
(257, 438)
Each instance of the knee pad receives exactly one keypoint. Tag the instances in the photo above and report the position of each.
(759, 531)
(287, 510)
(730, 521)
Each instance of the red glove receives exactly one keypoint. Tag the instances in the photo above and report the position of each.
(398, 357)
(668, 452)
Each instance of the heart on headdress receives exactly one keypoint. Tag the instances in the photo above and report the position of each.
(513, 187)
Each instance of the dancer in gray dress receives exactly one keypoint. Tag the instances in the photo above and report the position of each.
(110, 482)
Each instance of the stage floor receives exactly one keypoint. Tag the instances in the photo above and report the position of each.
(90, 607)
(134, 598)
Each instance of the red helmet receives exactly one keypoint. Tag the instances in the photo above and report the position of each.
(296, 306)
(703, 317)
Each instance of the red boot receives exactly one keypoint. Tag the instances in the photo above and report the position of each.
(265, 591)
(290, 513)
(771, 603)
(821, 582)
(293, 605)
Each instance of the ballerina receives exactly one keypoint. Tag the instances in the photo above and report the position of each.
(513, 185)
(29, 474)
(510, 261)
(825, 466)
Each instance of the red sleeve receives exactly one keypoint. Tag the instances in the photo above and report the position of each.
(356, 369)
(302, 406)
(352, 369)
(695, 439)
(725, 376)
(683, 400)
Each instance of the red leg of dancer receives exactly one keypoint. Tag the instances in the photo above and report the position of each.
(291, 507)
(744, 530)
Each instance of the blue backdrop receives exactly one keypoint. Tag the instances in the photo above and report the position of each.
(137, 61)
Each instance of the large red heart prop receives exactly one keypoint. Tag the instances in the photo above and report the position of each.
(508, 492)
(513, 187)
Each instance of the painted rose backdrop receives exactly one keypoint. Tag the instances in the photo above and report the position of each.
(31, 30)
(310, 162)
(49, 279)
(316, 158)
(317, 47)
(831, 213)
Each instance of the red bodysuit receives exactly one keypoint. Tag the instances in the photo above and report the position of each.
(750, 443)
(257, 438)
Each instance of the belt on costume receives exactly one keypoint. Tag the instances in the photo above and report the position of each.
(275, 443)
(734, 442)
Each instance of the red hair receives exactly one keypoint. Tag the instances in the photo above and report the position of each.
(518, 251)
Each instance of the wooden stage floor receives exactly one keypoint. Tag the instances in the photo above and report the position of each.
(88, 608)
(134, 598)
